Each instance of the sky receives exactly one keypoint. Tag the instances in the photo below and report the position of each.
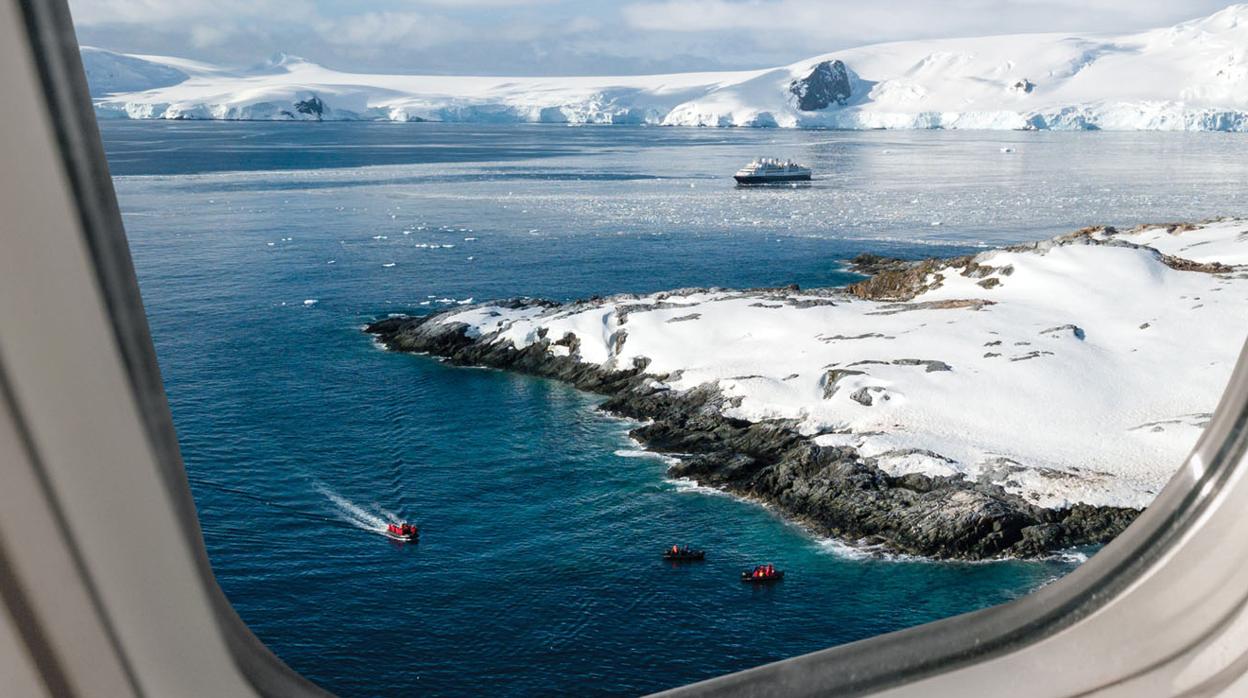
(578, 37)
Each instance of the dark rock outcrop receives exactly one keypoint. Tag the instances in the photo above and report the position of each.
(834, 491)
(869, 264)
(1024, 86)
(312, 106)
(827, 84)
(834, 376)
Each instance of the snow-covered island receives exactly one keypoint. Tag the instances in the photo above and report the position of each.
(1014, 402)
(1193, 76)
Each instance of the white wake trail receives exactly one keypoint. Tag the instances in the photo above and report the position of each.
(353, 514)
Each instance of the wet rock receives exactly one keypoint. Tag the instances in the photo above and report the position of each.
(872, 264)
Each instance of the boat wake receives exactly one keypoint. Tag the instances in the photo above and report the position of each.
(349, 512)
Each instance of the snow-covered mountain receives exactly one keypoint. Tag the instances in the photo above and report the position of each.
(1193, 76)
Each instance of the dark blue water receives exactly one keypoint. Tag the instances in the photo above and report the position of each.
(538, 572)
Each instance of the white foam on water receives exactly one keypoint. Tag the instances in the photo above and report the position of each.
(684, 484)
(638, 453)
(1077, 557)
(841, 549)
(848, 551)
(354, 514)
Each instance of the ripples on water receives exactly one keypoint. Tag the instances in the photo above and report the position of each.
(538, 570)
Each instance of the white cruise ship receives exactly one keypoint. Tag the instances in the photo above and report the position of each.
(770, 170)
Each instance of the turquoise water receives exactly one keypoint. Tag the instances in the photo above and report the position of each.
(538, 569)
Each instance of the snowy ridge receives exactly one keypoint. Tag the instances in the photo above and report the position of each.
(1193, 76)
(1076, 370)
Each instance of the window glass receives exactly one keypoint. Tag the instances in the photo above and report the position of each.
(883, 336)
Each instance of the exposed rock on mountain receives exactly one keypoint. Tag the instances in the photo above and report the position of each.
(1024, 86)
(312, 106)
(826, 85)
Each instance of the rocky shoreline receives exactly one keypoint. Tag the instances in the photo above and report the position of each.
(877, 414)
(834, 491)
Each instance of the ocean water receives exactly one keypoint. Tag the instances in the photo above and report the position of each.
(262, 248)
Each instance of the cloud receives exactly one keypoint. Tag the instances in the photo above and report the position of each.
(89, 13)
(489, 3)
(860, 22)
(577, 37)
(203, 36)
(383, 29)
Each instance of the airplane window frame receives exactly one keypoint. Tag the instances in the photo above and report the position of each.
(1209, 485)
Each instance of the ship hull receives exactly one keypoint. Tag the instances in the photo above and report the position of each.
(771, 179)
